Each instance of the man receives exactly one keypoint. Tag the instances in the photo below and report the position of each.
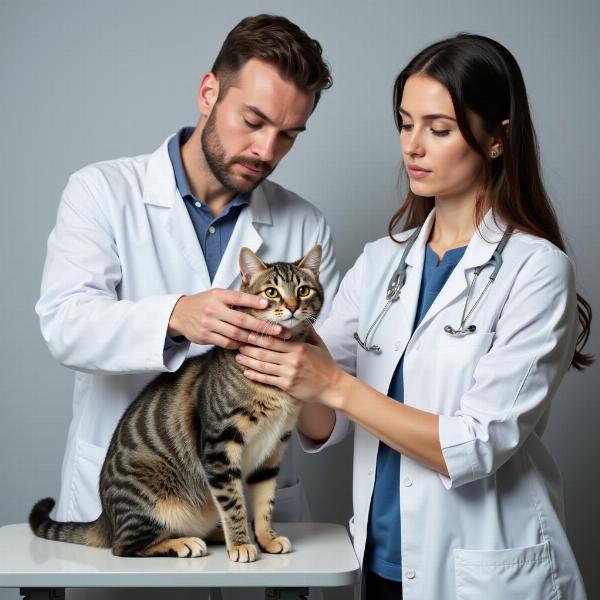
(144, 249)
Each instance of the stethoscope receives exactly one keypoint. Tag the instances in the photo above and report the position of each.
(397, 283)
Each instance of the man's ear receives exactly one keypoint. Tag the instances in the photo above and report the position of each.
(312, 260)
(250, 265)
(208, 93)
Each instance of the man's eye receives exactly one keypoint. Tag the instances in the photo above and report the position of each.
(405, 127)
(251, 125)
(271, 293)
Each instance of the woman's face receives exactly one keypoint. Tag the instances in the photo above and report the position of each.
(438, 160)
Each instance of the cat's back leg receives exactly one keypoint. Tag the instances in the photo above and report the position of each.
(140, 535)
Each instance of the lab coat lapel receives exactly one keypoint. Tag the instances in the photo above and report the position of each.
(161, 190)
(396, 328)
(409, 296)
(478, 252)
(244, 234)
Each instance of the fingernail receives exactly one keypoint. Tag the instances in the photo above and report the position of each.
(263, 303)
(277, 329)
(252, 337)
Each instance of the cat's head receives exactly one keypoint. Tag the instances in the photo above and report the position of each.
(293, 290)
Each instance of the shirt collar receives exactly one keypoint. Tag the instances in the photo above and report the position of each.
(181, 180)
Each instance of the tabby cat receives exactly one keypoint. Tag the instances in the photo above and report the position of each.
(172, 476)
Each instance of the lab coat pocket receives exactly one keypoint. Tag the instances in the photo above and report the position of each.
(472, 341)
(288, 503)
(500, 574)
(85, 495)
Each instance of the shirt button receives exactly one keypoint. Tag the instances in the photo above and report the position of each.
(211, 229)
(418, 346)
(197, 204)
(407, 482)
(410, 573)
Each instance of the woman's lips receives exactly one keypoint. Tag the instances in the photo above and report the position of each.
(417, 172)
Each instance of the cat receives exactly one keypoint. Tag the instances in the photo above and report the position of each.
(172, 476)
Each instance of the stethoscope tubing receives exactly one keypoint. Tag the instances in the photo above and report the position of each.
(398, 279)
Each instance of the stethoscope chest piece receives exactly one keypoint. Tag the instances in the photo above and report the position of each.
(460, 331)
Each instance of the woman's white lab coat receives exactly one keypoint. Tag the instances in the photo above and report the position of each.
(493, 529)
(123, 251)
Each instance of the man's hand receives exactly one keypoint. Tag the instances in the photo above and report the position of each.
(207, 318)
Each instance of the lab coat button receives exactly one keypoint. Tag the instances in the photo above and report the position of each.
(370, 472)
(407, 482)
(410, 573)
(398, 346)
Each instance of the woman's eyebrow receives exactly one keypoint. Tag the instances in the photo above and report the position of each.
(428, 117)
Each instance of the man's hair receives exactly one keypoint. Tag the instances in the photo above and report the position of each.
(279, 42)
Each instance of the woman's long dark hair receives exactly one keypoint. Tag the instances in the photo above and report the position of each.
(483, 76)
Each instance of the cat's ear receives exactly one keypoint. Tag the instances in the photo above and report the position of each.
(250, 265)
(312, 260)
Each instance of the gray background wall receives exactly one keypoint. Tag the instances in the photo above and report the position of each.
(83, 81)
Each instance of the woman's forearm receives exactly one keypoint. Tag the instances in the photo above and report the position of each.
(316, 422)
(408, 430)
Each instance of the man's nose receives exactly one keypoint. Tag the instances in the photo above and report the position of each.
(264, 148)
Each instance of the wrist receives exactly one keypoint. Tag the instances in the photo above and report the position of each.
(337, 394)
(173, 330)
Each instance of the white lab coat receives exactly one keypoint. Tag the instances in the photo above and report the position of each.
(493, 529)
(123, 251)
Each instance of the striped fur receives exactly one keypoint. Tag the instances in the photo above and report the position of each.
(172, 477)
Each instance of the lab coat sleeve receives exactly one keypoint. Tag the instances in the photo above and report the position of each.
(514, 382)
(337, 333)
(85, 325)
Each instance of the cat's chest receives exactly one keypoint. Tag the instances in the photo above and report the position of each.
(271, 413)
(269, 403)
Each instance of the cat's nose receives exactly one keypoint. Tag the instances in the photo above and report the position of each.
(291, 307)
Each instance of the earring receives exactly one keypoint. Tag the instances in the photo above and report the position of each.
(494, 153)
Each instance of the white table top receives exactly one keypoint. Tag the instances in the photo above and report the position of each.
(322, 556)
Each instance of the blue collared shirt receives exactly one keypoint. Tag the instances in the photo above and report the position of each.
(213, 232)
(383, 530)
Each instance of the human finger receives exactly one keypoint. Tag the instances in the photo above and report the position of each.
(237, 298)
(262, 378)
(258, 365)
(269, 342)
(267, 356)
(250, 324)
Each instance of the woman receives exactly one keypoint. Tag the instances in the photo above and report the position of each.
(455, 495)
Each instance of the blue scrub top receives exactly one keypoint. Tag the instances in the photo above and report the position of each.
(383, 554)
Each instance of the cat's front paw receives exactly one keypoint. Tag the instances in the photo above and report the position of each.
(244, 553)
(278, 545)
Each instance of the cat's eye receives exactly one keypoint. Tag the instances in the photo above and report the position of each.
(303, 291)
(271, 293)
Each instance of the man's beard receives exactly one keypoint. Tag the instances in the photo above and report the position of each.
(220, 165)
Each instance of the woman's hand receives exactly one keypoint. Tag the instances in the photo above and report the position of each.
(304, 370)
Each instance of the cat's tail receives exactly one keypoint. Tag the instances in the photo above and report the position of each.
(94, 533)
